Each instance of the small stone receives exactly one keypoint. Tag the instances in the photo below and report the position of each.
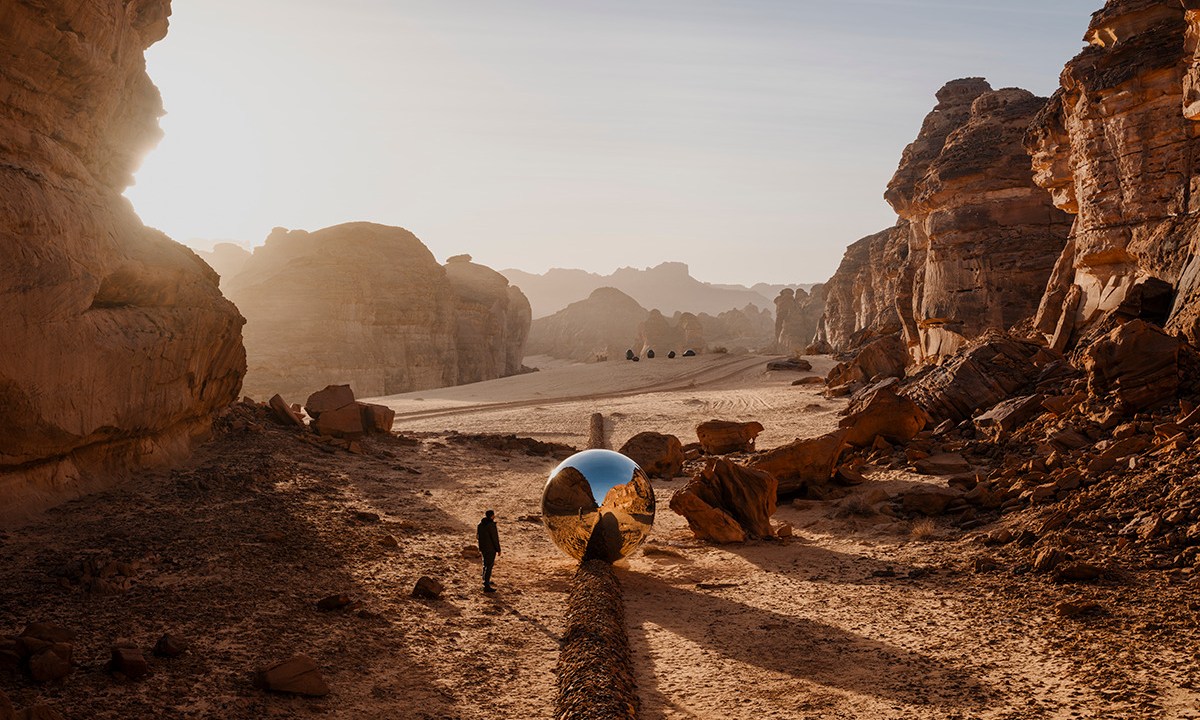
(428, 588)
(471, 552)
(785, 530)
(1077, 608)
(333, 602)
(1078, 572)
(296, 676)
(170, 646)
(129, 662)
(389, 541)
(50, 664)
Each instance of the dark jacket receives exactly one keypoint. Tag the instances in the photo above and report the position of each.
(488, 536)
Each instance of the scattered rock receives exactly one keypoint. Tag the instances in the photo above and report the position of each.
(659, 455)
(1078, 608)
(943, 464)
(883, 413)
(1078, 572)
(927, 502)
(170, 646)
(129, 662)
(1137, 362)
(333, 397)
(298, 675)
(428, 588)
(798, 464)
(334, 602)
(284, 413)
(790, 364)
(727, 503)
(718, 437)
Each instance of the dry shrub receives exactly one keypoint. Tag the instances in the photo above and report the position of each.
(856, 506)
(923, 529)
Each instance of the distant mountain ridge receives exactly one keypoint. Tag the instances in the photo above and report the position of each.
(668, 287)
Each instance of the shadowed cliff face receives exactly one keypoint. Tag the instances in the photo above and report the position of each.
(862, 296)
(1117, 146)
(493, 321)
(118, 344)
(983, 237)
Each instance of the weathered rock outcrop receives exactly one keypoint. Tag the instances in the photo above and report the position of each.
(602, 326)
(983, 237)
(797, 317)
(861, 297)
(493, 321)
(727, 503)
(118, 345)
(1118, 146)
(359, 303)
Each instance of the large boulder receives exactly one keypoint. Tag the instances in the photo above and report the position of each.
(883, 413)
(806, 461)
(994, 368)
(1137, 363)
(298, 675)
(882, 358)
(658, 454)
(727, 502)
(718, 437)
(118, 346)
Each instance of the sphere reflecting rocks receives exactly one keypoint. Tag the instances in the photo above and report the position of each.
(607, 530)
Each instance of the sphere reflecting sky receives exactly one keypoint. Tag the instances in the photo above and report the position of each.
(609, 529)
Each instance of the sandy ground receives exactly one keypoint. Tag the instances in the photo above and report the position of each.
(854, 618)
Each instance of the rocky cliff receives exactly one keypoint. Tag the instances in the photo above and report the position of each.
(118, 346)
(982, 237)
(861, 297)
(359, 304)
(1118, 147)
(797, 318)
(493, 321)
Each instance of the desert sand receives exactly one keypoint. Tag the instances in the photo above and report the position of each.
(860, 615)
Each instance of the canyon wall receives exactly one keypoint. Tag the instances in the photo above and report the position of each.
(118, 346)
(977, 238)
(1118, 147)
(493, 321)
(368, 305)
(861, 297)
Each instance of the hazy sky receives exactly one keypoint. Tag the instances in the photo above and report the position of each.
(751, 139)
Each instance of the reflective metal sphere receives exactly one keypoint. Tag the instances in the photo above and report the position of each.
(607, 530)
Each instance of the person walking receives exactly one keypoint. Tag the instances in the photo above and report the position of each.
(489, 544)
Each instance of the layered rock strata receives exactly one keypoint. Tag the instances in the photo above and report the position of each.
(1118, 147)
(118, 345)
(861, 298)
(983, 237)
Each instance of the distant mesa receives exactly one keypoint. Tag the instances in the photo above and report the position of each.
(668, 287)
(611, 324)
(226, 258)
(368, 305)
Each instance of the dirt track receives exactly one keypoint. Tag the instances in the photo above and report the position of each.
(852, 619)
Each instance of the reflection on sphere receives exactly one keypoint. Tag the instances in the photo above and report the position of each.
(607, 530)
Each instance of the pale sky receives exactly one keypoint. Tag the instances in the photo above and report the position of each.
(751, 139)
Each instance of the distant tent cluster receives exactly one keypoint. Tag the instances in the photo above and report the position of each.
(630, 355)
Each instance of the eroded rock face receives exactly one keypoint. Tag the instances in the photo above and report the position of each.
(862, 296)
(983, 237)
(493, 321)
(797, 316)
(1117, 146)
(360, 304)
(118, 344)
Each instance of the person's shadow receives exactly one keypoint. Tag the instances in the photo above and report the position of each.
(786, 644)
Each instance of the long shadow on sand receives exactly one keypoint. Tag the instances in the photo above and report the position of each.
(790, 645)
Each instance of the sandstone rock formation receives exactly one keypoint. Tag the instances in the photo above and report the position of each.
(861, 299)
(359, 304)
(659, 455)
(718, 437)
(118, 344)
(983, 237)
(493, 321)
(797, 317)
(1117, 146)
(727, 503)
(802, 462)
(367, 305)
(602, 326)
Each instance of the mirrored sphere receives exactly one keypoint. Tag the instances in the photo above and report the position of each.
(606, 530)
